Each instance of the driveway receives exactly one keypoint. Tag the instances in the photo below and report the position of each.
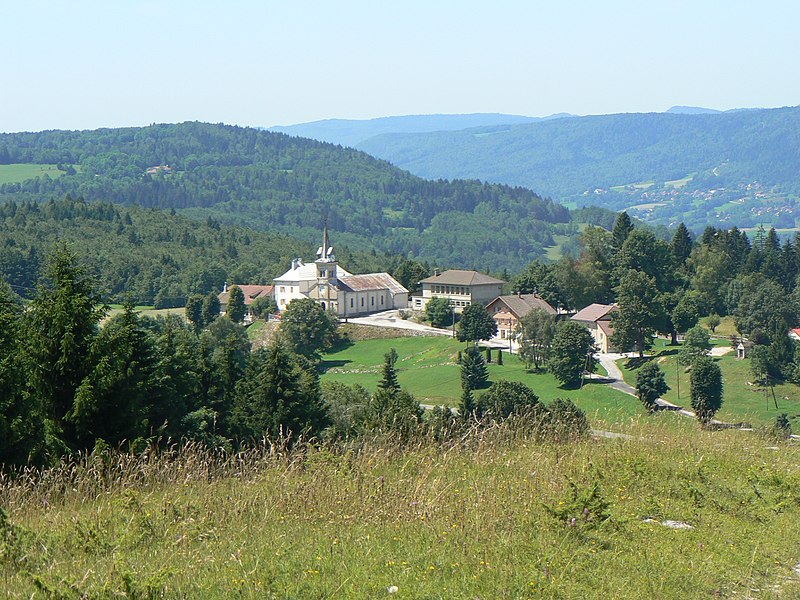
(391, 318)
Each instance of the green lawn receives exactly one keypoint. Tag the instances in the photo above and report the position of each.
(18, 173)
(427, 368)
(741, 402)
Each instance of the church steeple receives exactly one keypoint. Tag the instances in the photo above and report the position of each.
(325, 252)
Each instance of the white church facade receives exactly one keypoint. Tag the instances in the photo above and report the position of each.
(332, 286)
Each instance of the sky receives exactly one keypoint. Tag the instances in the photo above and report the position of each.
(86, 64)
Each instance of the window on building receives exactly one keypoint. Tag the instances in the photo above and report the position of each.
(351, 303)
(362, 301)
(283, 289)
(381, 300)
(372, 300)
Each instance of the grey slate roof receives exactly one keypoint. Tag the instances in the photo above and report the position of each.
(459, 277)
(371, 281)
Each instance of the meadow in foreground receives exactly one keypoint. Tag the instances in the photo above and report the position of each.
(492, 515)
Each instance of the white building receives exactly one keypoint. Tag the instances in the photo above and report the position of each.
(461, 288)
(346, 294)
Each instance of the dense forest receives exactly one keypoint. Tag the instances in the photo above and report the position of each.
(150, 256)
(569, 159)
(275, 182)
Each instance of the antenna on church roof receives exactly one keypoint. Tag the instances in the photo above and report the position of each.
(325, 244)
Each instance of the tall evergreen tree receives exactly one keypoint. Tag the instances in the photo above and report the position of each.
(210, 308)
(277, 397)
(622, 229)
(21, 426)
(681, 246)
(236, 306)
(389, 378)
(61, 325)
(474, 373)
(112, 402)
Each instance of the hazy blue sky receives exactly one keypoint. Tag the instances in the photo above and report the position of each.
(87, 64)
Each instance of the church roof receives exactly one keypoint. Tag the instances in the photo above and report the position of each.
(371, 281)
(459, 277)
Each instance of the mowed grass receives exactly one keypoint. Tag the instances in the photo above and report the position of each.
(468, 521)
(741, 402)
(427, 367)
(17, 173)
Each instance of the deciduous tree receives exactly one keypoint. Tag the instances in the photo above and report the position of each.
(572, 353)
(706, 389)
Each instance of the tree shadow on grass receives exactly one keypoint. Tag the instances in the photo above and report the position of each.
(325, 365)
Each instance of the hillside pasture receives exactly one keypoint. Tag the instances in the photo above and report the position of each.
(742, 401)
(663, 514)
(17, 173)
(427, 367)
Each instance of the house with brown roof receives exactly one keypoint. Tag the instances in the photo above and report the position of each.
(461, 288)
(597, 318)
(508, 310)
(251, 294)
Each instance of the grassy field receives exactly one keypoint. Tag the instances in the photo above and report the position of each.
(18, 173)
(427, 368)
(741, 401)
(147, 311)
(490, 517)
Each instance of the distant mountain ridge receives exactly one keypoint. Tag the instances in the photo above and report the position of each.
(350, 132)
(722, 168)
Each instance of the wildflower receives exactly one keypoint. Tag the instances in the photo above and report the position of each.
(392, 589)
(572, 522)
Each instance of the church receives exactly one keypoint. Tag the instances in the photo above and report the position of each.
(345, 294)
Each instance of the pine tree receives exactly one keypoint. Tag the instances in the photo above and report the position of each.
(112, 402)
(277, 397)
(388, 380)
(61, 325)
(21, 425)
(622, 229)
(474, 373)
(681, 246)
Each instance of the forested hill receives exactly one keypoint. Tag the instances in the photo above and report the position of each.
(148, 255)
(732, 168)
(273, 181)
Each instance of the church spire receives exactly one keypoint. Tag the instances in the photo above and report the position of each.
(325, 245)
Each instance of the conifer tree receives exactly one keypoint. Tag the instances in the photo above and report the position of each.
(61, 325)
(236, 306)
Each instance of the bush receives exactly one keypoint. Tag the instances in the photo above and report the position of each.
(566, 421)
(506, 398)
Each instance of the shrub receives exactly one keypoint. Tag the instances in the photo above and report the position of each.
(566, 421)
